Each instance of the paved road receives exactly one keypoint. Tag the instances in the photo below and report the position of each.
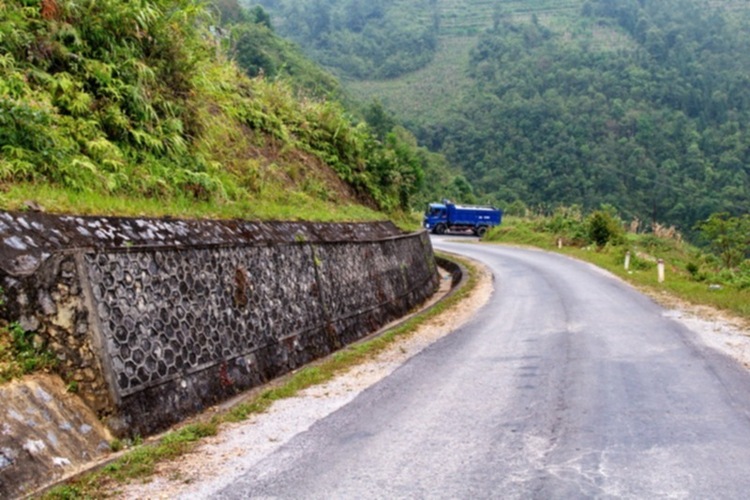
(568, 384)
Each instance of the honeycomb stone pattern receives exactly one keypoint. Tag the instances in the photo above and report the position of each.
(359, 277)
(166, 314)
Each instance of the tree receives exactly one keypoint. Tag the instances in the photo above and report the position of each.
(260, 16)
(729, 237)
(252, 50)
(379, 119)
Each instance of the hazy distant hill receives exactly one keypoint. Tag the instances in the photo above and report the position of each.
(360, 38)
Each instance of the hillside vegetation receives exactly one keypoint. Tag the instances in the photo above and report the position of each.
(360, 38)
(430, 94)
(134, 107)
(654, 121)
(720, 279)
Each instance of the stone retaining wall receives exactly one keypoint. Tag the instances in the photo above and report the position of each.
(157, 319)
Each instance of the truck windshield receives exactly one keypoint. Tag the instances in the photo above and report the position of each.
(434, 212)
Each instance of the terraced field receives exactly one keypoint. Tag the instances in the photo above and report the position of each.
(460, 17)
(421, 96)
(428, 93)
(424, 95)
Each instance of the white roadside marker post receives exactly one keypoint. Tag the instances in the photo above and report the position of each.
(660, 270)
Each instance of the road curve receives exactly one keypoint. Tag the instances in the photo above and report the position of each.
(568, 384)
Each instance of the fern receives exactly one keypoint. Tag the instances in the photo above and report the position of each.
(7, 61)
(80, 104)
(105, 152)
(16, 168)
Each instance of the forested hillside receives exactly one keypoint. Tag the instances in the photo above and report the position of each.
(641, 104)
(361, 38)
(653, 122)
(251, 40)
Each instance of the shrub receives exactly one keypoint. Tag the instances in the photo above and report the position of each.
(517, 209)
(693, 269)
(567, 223)
(727, 236)
(603, 228)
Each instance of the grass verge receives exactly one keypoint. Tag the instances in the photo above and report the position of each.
(274, 204)
(678, 283)
(690, 273)
(140, 462)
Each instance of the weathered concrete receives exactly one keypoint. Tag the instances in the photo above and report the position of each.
(26, 239)
(158, 319)
(45, 433)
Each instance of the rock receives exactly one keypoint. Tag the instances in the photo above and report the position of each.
(29, 323)
(24, 265)
(32, 206)
(46, 303)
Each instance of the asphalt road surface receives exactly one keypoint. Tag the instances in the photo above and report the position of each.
(568, 384)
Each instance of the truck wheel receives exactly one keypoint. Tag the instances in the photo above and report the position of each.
(481, 231)
(440, 229)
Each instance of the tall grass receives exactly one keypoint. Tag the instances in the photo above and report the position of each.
(275, 203)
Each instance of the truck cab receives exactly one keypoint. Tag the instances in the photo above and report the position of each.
(436, 218)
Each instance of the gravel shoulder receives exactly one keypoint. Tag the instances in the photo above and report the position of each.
(715, 328)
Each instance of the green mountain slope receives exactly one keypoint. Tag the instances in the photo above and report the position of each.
(642, 104)
(652, 120)
(134, 107)
(424, 97)
(360, 38)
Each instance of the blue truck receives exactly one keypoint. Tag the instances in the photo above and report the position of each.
(446, 216)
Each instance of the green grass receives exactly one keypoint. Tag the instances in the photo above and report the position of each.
(274, 204)
(645, 249)
(140, 462)
(677, 282)
(136, 464)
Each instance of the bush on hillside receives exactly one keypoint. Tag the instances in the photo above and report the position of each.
(567, 223)
(728, 237)
(603, 228)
